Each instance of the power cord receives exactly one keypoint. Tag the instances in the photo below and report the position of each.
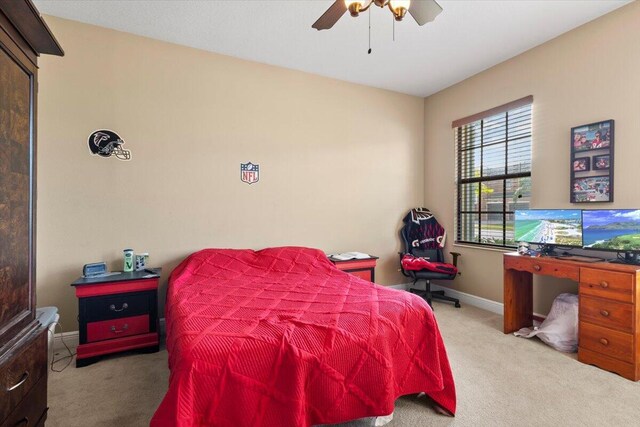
(69, 356)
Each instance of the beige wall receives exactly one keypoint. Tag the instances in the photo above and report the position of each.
(340, 163)
(586, 75)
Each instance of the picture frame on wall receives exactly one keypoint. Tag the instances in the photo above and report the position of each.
(601, 162)
(591, 159)
(582, 164)
(592, 189)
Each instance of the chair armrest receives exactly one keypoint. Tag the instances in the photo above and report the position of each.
(455, 256)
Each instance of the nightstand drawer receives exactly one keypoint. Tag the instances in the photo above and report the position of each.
(607, 313)
(607, 284)
(117, 328)
(606, 341)
(116, 306)
(363, 274)
(21, 372)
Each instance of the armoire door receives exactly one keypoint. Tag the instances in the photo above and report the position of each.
(16, 195)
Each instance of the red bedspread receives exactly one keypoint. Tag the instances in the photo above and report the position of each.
(280, 337)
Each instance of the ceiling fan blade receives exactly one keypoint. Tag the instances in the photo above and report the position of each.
(424, 11)
(331, 16)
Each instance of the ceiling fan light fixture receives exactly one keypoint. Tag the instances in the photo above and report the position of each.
(399, 8)
(354, 6)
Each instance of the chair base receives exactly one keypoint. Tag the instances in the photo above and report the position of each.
(430, 295)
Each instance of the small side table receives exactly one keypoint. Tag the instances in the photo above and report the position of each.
(363, 268)
(116, 313)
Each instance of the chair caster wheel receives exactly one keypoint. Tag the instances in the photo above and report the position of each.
(457, 305)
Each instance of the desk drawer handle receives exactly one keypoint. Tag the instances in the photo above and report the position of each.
(605, 313)
(116, 331)
(112, 307)
(19, 383)
(536, 267)
(604, 341)
(604, 285)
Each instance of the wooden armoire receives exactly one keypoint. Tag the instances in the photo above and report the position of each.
(23, 342)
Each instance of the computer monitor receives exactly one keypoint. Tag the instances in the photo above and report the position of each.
(615, 230)
(549, 227)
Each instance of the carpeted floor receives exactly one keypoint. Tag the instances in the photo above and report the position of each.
(501, 381)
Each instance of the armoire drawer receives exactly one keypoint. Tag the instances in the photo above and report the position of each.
(22, 372)
(32, 409)
(616, 344)
(607, 313)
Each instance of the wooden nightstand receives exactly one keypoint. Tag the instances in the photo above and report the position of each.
(363, 268)
(117, 313)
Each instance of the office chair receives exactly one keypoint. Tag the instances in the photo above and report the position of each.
(422, 236)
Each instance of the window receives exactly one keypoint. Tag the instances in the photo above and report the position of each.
(493, 173)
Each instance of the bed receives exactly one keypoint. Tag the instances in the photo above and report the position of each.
(280, 337)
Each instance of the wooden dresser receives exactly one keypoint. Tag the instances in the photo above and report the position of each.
(23, 342)
(609, 311)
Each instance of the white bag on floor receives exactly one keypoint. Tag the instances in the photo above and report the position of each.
(560, 328)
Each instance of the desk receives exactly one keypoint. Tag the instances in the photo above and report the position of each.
(609, 328)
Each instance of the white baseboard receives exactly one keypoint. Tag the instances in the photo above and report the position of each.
(473, 300)
(483, 303)
(72, 338)
(476, 301)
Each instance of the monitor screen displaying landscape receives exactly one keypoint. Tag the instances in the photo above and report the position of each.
(613, 230)
(549, 227)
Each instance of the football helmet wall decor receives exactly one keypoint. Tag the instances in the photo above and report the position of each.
(107, 143)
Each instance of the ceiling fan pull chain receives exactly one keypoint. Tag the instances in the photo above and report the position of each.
(394, 27)
(369, 51)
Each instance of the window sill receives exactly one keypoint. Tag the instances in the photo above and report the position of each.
(484, 248)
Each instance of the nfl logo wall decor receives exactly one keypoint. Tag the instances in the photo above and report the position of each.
(249, 173)
(107, 143)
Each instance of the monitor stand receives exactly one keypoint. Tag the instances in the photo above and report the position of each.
(629, 258)
(547, 250)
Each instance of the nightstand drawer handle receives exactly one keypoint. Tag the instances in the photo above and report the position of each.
(19, 383)
(116, 331)
(605, 313)
(604, 341)
(112, 307)
(604, 285)
(536, 267)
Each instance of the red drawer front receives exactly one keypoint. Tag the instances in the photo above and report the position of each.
(117, 328)
(363, 274)
(355, 264)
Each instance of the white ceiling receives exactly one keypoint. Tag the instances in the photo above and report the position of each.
(466, 38)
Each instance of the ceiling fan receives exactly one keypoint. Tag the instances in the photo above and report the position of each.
(423, 11)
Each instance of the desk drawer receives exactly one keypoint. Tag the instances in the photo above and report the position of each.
(606, 284)
(117, 328)
(615, 344)
(607, 313)
(540, 265)
(21, 372)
